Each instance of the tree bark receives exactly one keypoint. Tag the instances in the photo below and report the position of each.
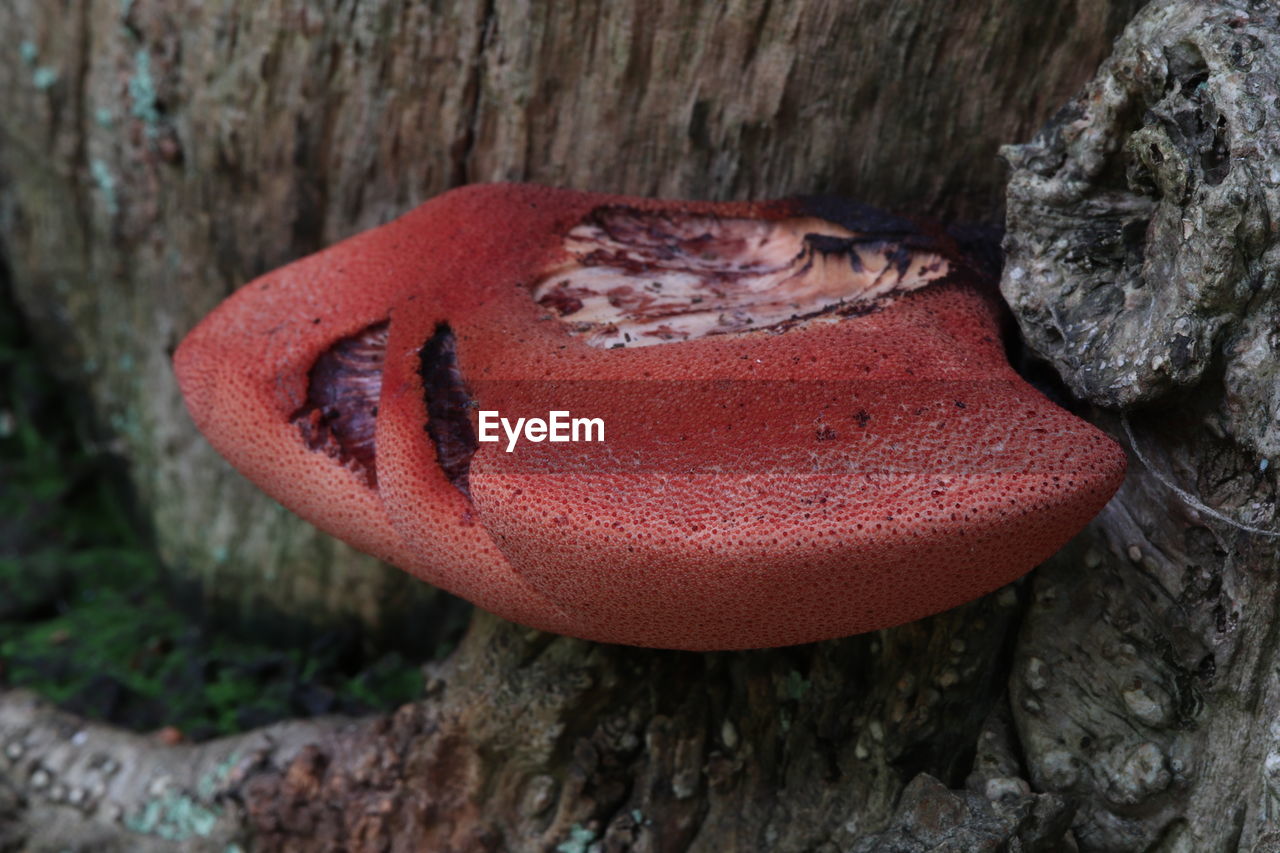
(1143, 262)
(1139, 664)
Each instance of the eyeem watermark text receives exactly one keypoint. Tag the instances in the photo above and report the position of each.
(559, 425)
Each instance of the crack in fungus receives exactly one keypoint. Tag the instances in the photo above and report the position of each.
(341, 411)
(448, 405)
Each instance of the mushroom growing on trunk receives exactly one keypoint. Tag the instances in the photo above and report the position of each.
(807, 424)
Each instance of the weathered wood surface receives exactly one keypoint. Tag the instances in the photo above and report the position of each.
(1144, 263)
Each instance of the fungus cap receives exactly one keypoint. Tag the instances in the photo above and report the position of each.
(810, 427)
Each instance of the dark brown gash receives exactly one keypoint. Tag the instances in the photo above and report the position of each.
(449, 408)
(340, 415)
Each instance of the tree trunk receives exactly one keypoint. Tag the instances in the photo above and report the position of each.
(1139, 663)
(1143, 261)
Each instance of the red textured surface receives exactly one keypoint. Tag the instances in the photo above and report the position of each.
(754, 490)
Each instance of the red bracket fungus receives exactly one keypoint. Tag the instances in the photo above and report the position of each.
(812, 429)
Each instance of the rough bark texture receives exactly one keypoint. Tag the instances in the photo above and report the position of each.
(1143, 261)
(1141, 668)
(527, 741)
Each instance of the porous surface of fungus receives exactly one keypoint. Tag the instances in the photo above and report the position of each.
(811, 429)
